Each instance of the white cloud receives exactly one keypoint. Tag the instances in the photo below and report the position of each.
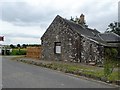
(24, 21)
(17, 34)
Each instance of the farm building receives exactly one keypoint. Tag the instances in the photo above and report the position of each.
(65, 40)
(5, 50)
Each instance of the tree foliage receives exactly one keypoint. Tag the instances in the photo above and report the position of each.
(18, 45)
(24, 46)
(12, 46)
(114, 27)
(77, 21)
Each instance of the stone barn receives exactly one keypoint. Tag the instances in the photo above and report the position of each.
(65, 40)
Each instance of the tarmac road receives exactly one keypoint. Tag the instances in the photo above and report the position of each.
(19, 75)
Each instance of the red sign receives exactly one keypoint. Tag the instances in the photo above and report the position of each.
(1, 38)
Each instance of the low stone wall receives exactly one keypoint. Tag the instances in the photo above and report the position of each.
(34, 52)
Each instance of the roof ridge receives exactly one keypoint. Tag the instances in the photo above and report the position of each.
(115, 34)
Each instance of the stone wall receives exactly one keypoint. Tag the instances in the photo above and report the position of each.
(74, 47)
(58, 31)
(91, 51)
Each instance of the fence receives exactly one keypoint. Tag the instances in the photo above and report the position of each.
(34, 52)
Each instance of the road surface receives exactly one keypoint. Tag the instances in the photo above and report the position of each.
(20, 75)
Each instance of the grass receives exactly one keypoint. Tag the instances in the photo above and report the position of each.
(87, 70)
(114, 76)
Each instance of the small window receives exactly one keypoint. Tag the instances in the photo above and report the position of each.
(58, 47)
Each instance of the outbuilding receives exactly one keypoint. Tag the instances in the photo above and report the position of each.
(65, 40)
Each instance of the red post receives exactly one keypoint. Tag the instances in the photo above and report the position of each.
(1, 38)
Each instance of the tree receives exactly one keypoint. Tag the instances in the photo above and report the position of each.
(24, 46)
(72, 19)
(12, 46)
(18, 45)
(114, 27)
(80, 20)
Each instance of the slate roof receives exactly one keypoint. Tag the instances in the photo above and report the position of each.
(95, 35)
(110, 37)
(91, 34)
(82, 30)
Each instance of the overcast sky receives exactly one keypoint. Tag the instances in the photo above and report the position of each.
(25, 21)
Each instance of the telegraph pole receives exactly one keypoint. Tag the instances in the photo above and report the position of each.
(119, 12)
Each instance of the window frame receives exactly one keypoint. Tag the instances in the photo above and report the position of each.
(57, 47)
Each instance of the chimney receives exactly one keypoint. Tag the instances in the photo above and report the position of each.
(82, 19)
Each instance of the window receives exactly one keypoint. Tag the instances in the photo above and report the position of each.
(58, 47)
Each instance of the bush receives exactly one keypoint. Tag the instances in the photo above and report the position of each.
(108, 68)
(114, 53)
(18, 52)
(110, 57)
